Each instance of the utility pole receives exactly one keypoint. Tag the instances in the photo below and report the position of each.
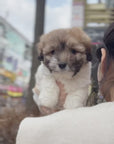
(38, 31)
(99, 1)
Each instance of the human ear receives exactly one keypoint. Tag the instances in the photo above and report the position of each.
(101, 64)
(103, 58)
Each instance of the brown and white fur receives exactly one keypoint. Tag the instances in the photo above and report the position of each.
(65, 56)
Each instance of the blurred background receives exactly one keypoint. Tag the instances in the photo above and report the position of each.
(21, 24)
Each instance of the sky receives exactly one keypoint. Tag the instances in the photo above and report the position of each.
(21, 14)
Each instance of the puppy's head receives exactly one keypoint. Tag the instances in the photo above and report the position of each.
(65, 50)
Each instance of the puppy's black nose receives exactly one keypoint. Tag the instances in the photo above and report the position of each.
(62, 65)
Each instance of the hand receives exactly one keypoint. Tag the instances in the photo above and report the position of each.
(62, 96)
(36, 90)
(45, 110)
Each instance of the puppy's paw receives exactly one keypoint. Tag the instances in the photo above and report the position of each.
(72, 102)
(71, 105)
(48, 98)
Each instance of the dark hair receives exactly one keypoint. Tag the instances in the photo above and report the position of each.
(107, 83)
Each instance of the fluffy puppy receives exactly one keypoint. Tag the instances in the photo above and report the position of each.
(65, 56)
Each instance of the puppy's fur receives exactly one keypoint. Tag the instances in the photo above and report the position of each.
(65, 56)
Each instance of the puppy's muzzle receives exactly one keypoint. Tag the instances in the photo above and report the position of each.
(62, 65)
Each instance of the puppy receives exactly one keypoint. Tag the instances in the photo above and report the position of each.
(65, 56)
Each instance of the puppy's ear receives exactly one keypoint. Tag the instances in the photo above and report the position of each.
(40, 57)
(89, 55)
(39, 47)
(83, 38)
(88, 51)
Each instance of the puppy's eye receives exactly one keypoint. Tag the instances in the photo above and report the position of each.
(73, 51)
(52, 52)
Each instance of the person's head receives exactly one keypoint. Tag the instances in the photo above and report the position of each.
(105, 55)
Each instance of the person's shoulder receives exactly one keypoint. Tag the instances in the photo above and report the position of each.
(106, 106)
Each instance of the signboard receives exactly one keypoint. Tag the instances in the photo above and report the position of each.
(110, 4)
(78, 14)
(8, 74)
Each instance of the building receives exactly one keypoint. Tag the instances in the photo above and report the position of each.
(85, 14)
(15, 51)
(93, 18)
(110, 4)
(78, 10)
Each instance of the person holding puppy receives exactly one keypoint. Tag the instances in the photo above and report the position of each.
(105, 54)
(87, 125)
